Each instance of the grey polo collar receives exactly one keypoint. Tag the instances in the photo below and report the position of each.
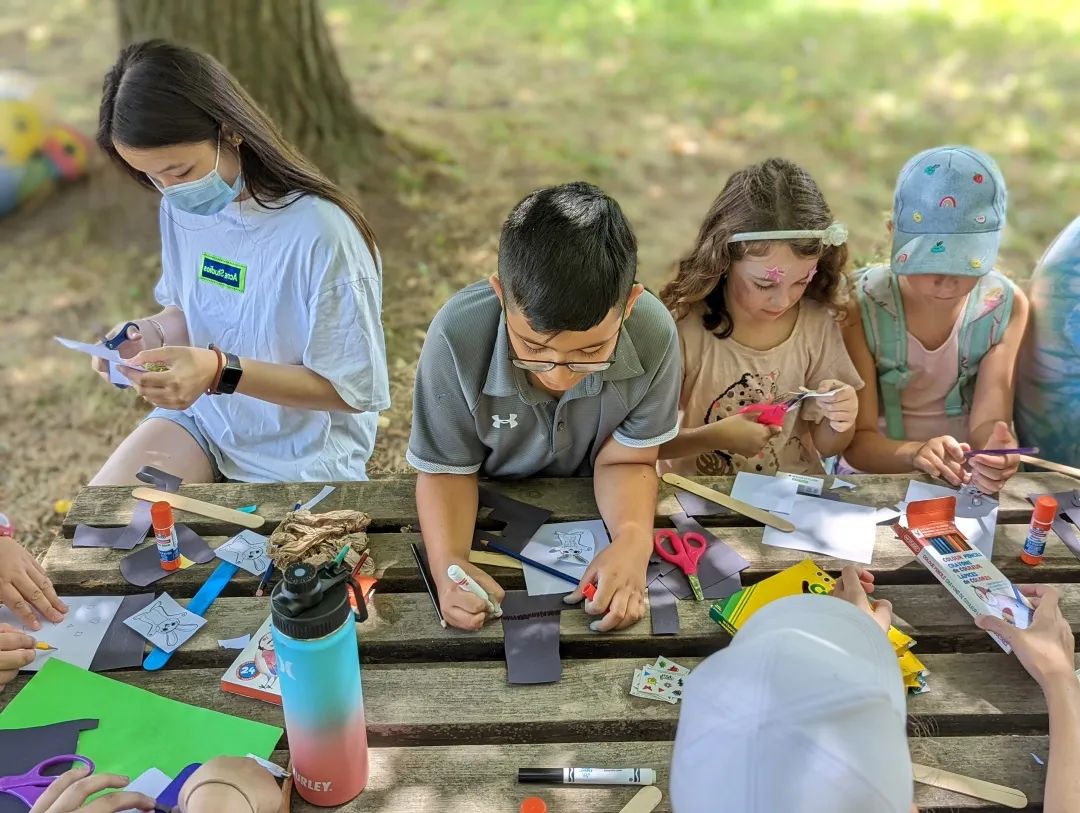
(505, 380)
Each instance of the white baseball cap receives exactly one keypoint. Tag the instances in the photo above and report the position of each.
(804, 712)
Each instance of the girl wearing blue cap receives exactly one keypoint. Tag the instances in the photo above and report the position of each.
(267, 361)
(939, 328)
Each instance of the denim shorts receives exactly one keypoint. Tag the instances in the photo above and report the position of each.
(188, 423)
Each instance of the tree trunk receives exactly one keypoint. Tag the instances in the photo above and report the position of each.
(280, 51)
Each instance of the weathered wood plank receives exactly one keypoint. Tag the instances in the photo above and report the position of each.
(451, 703)
(403, 627)
(451, 780)
(391, 503)
(89, 571)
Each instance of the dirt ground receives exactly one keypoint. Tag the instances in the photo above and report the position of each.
(655, 101)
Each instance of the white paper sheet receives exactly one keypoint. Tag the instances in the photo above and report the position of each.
(77, 637)
(151, 782)
(833, 528)
(886, 514)
(776, 494)
(808, 484)
(102, 352)
(566, 546)
(165, 624)
(978, 530)
(318, 498)
(838, 483)
(246, 550)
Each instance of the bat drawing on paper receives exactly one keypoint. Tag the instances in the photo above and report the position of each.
(572, 545)
(163, 627)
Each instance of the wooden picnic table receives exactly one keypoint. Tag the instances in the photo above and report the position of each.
(447, 733)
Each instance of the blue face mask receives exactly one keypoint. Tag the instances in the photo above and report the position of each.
(206, 196)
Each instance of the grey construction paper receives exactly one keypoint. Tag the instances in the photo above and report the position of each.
(122, 647)
(663, 610)
(718, 569)
(522, 521)
(136, 530)
(21, 749)
(143, 567)
(531, 637)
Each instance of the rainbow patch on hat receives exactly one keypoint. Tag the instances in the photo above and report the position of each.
(947, 202)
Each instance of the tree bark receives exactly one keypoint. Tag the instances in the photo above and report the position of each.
(280, 51)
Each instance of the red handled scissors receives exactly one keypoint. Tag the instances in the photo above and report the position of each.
(686, 550)
(774, 414)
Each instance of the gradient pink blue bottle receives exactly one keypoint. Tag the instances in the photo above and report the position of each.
(319, 673)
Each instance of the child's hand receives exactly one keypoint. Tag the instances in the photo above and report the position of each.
(24, 587)
(16, 651)
(1046, 647)
(943, 457)
(203, 792)
(619, 573)
(989, 473)
(839, 409)
(70, 791)
(853, 586)
(460, 608)
(741, 434)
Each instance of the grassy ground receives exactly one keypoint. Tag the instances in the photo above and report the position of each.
(655, 100)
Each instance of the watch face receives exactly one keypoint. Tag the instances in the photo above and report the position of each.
(230, 375)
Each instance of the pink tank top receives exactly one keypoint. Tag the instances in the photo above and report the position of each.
(933, 374)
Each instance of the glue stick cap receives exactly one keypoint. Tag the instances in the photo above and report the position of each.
(1046, 508)
(533, 804)
(161, 516)
(804, 711)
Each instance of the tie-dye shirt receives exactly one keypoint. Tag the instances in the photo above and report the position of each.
(721, 376)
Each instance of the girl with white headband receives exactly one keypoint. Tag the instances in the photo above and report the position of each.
(756, 303)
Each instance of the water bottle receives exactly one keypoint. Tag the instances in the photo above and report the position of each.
(314, 635)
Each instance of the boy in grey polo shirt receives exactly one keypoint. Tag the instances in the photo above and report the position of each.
(559, 365)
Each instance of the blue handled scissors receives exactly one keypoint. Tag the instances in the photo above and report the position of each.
(30, 786)
(120, 337)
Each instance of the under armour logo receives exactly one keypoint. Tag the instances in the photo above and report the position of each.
(497, 422)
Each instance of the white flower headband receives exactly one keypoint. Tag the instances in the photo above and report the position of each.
(834, 235)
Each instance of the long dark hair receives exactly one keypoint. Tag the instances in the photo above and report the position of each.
(775, 195)
(159, 94)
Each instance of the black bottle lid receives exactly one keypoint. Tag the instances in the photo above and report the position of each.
(310, 603)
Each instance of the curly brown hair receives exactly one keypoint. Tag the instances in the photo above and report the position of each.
(774, 195)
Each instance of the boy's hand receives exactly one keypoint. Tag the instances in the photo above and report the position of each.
(854, 585)
(943, 457)
(619, 574)
(989, 473)
(16, 651)
(460, 608)
(1045, 648)
(24, 586)
(840, 409)
(741, 434)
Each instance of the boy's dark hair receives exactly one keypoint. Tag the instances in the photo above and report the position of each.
(775, 195)
(567, 256)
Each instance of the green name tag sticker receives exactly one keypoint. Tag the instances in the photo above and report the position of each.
(223, 272)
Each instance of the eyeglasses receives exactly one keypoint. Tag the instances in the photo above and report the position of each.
(586, 367)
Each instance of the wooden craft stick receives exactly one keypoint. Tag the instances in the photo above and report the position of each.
(644, 801)
(1050, 465)
(747, 510)
(204, 509)
(486, 557)
(969, 786)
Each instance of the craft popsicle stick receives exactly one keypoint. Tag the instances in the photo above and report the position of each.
(644, 801)
(483, 557)
(1049, 465)
(969, 786)
(720, 498)
(204, 509)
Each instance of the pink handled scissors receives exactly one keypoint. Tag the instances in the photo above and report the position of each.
(686, 550)
(774, 414)
(30, 786)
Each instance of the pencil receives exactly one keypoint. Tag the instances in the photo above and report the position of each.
(961, 542)
(427, 583)
(44, 647)
(589, 590)
(265, 580)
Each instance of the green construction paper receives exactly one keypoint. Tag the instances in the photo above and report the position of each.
(138, 729)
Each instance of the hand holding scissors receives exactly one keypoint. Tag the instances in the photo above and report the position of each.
(30, 786)
(686, 550)
(775, 414)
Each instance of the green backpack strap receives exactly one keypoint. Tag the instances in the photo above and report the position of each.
(986, 317)
(880, 305)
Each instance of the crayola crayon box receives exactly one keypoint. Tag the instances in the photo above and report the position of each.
(965, 571)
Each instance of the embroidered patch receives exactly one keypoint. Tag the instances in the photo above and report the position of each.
(930, 170)
(977, 177)
(917, 217)
(980, 218)
(902, 257)
(225, 273)
(939, 247)
(976, 262)
(947, 202)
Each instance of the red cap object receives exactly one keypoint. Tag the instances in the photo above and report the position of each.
(534, 804)
(589, 591)
(1046, 508)
(161, 516)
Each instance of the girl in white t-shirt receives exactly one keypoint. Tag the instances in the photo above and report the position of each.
(267, 361)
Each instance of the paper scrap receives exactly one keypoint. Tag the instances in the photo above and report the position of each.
(151, 782)
(806, 483)
(122, 647)
(531, 637)
(318, 498)
(979, 531)
(838, 483)
(663, 610)
(837, 529)
(166, 734)
(248, 509)
(143, 567)
(569, 547)
(234, 643)
(166, 624)
(776, 494)
(886, 514)
(102, 352)
(248, 551)
(126, 538)
(77, 637)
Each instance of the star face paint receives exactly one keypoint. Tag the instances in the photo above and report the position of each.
(767, 286)
(774, 274)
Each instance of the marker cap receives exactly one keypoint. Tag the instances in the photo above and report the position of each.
(534, 804)
(533, 776)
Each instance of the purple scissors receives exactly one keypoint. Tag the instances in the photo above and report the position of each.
(30, 786)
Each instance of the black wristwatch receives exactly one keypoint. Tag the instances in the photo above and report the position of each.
(231, 373)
